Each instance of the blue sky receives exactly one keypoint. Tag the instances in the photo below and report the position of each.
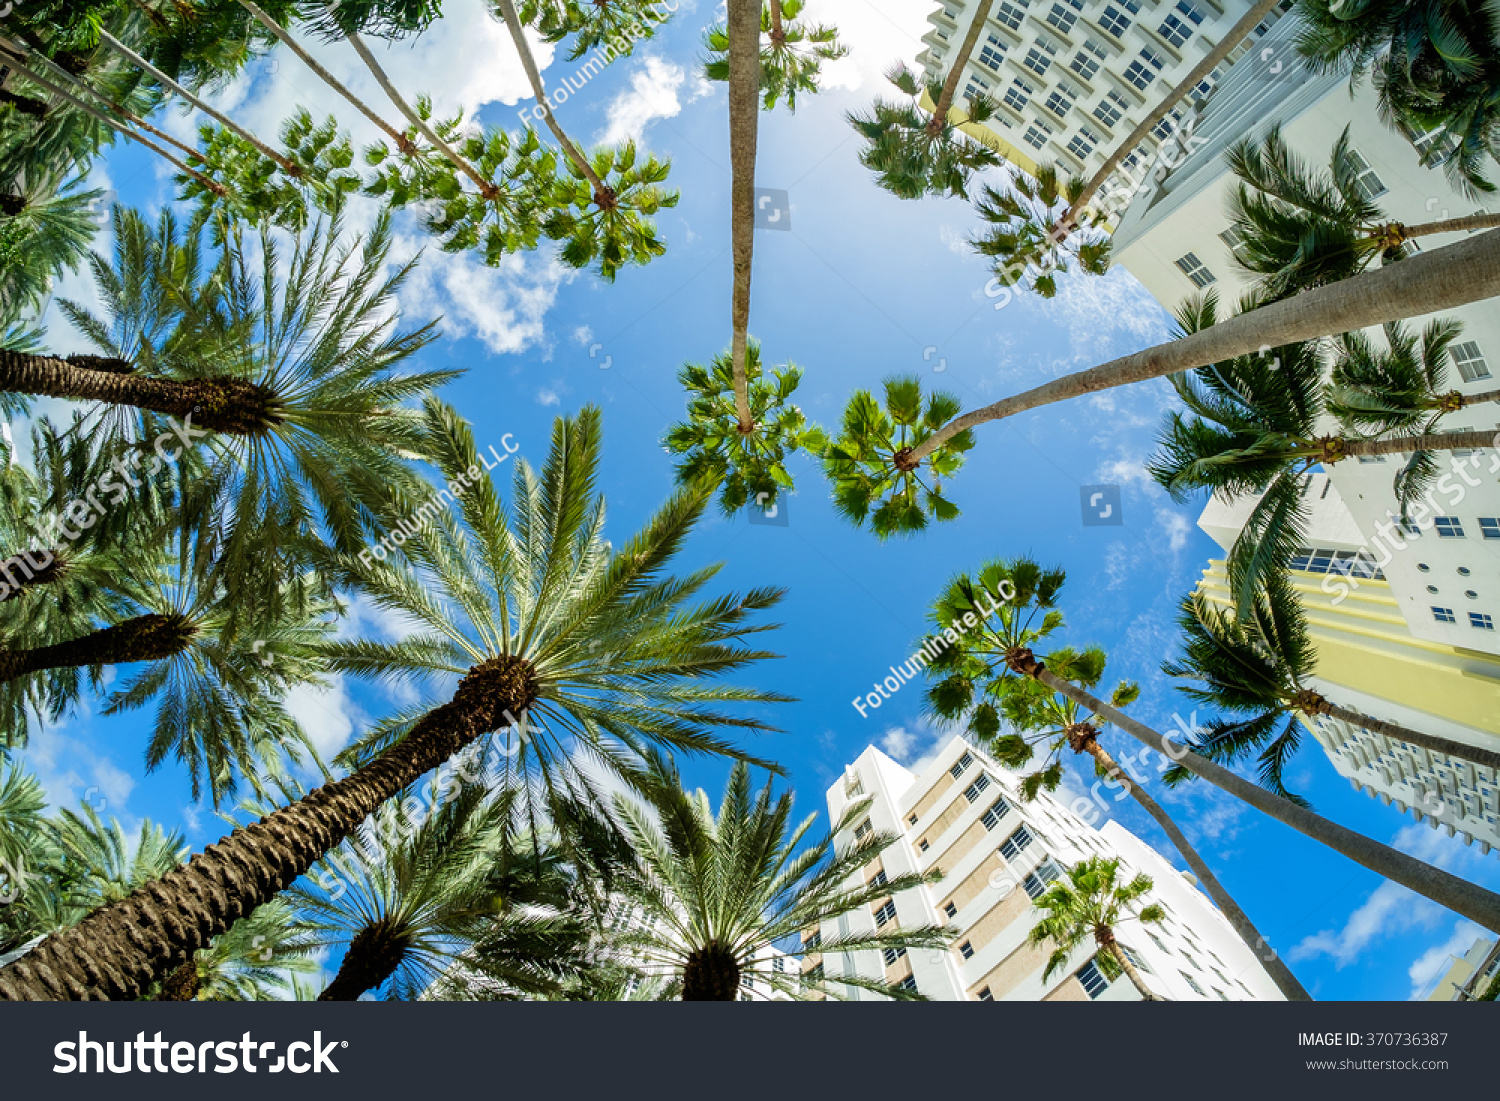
(862, 287)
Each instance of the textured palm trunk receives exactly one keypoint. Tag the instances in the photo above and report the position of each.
(1451, 225)
(1313, 703)
(1445, 278)
(287, 166)
(25, 104)
(29, 570)
(143, 638)
(221, 404)
(326, 77)
(956, 69)
(1259, 947)
(778, 32)
(120, 949)
(182, 984)
(1226, 45)
(486, 189)
(711, 974)
(13, 206)
(1466, 899)
(743, 28)
(1401, 445)
(1106, 938)
(604, 198)
(373, 956)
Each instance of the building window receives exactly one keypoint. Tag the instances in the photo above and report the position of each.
(778, 965)
(998, 810)
(816, 974)
(746, 981)
(974, 790)
(746, 998)
(1168, 126)
(1470, 361)
(1058, 104)
(1178, 26)
(985, 995)
(1206, 85)
(1232, 240)
(1195, 269)
(911, 819)
(992, 52)
(878, 879)
(1196, 965)
(1093, 979)
(1189, 980)
(1156, 940)
(1136, 960)
(1063, 16)
(1113, 20)
(1443, 615)
(1109, 109)
(886, 913)
(1036, 882)
(1489, 527)
(950, 909)
(1086, 61)
(908, 983)
(1365, 181)
(1142, 71)
(1037, 134)
(963, 762)
(813, 943)
(1016, 96)
(1481, 621)
(863, 830)
(893, 954)
(1223, 997)
(976, 87)
(1039, 57)
(1009, 15)
(966, 950)
(922, 845)
(1011, 847)
(1449, 527)
(1080, 146)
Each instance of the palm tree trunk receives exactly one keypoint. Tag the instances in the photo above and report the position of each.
(1455, 275)
(1226, 45)
(1129, 968)
(743, 29)
(778, 32)
(486, 189)
(1280, 973)
(956, 69)
(1463, 898)
(120, 949)
(711, 973)
(78, 85)
(222, 404)
(35, 567)
(182, 983)
(1451, 225)
(288, 166)
(100, 116)
(604, 198)
(400, 139)
(1459, 750)
(373, 956)
(36, 108)
(143, 638)
(1400, 445)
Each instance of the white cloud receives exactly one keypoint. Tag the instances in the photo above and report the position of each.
(548, 397)
(71, 771)
(503, 306)
(653, 95)
(877, 37)
(1390, 909)
(1175, 527)
(325, 713)
(915, 745)
(583, 334)
(1426, 968)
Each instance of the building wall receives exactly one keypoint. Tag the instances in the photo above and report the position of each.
(993, 912)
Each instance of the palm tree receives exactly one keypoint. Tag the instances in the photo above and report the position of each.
(1458, 895)
(1014, 605)
(914, 154)
(1300, 228)
(257, 960)
(1022, 243)
(49, 237)
(528, 590)
(1093, 903)
(1444, 278)
(1259, 665)
(791, 54)
(1403, 390)
(745, 467)
(725, 890)
(871, 462)
(620, 23)
(21, 804)
(1433, 64)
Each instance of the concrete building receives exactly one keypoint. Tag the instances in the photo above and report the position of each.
(1371, 660)
(964, 816)
(1469, 976)
(1074, 77)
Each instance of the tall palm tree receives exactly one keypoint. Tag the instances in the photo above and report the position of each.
(1444, 278)
(1258, 666)
(593, 23)
(1094, 902)
(1299, 228)
(49, 237)
(257, 960)
(726, 889)
(792, 53)
(914, 154)
(21, 804)
(749, 467)
(528, 589)
(872, 466)
(1433, 63)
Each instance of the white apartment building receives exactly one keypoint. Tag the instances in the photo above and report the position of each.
(964, 816)
(1176, 240)
(1370, 660)
(1073, 77)
(1469, 975)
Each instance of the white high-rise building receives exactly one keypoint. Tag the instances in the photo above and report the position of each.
(964, 816)
(1074, 77)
